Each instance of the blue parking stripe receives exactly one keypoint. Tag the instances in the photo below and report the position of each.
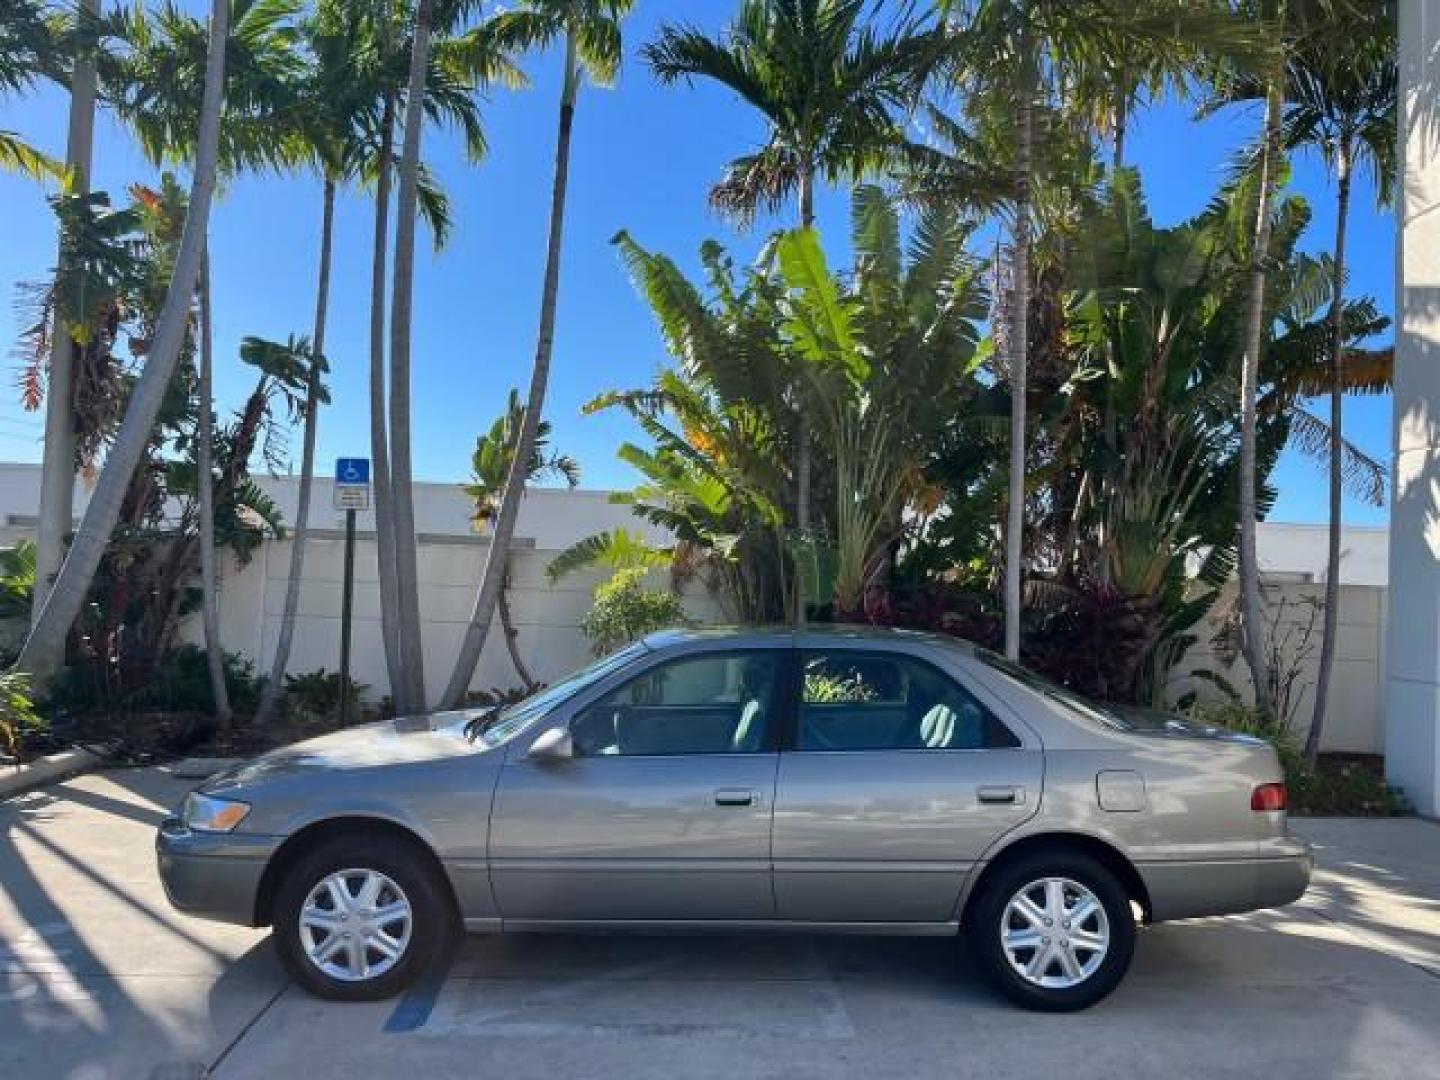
(414, 1007)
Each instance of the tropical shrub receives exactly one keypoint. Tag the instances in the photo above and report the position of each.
(876, 360)
(318, 693)
(18, 715)
(625, 611)
(17, 580)
(179, 683)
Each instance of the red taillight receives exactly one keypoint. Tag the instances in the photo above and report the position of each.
(1268, 798)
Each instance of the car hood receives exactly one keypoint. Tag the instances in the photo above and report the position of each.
(405, 741)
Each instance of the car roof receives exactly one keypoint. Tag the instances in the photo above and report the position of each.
(812, 634)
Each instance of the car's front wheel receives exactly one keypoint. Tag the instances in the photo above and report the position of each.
(1054, 931)
(360, 917)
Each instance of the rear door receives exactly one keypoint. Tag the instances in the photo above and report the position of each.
(897, 781)
(664, 812)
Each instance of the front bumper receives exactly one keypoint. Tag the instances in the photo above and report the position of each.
(212, 875)
(1183, 890)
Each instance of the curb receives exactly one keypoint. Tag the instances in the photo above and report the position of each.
(17, 780)
(201, 768)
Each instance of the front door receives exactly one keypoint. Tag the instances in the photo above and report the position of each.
(663, 813)
(898, 780)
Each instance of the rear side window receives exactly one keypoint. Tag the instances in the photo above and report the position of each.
(854, 700)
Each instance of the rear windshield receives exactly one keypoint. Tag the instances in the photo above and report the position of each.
(1069, 700)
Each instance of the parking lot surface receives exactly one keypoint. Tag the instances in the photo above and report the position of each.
(99, 978)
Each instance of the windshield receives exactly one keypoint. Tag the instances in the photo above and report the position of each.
(1065, 698)
(514, 718)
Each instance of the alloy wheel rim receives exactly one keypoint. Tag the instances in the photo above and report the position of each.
(1055, 933)
(355, 925)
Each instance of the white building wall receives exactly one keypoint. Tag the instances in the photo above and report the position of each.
(1354, 716)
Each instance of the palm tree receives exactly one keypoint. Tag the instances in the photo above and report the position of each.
(829, 87)
(205, 491)
(45, 644)
(489, 467)
(1342, 91)
(1031, 52)
(153, 86)
(330, 103)
(409, 695)
(1249, 567)
(29, 49)
(591, 32)
(443, 73)
(26, 33)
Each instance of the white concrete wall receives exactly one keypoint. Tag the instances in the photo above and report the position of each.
(546, 616)
(1354, 716)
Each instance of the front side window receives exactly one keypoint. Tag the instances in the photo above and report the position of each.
(886, 701)
(499, 727)
(715, 703)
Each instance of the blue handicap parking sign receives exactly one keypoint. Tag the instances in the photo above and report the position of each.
(352, 470)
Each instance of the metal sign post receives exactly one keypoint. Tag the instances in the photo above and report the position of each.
(352, 493)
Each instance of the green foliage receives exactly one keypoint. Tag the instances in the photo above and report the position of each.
(625, 611)
(879, 359)
(828, 83)
(822, 688)
(317, 693)
(179, 683)
(618, 549)
(495, 453)
(17, 580)
(18, 715)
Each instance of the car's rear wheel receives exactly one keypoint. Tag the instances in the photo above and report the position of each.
(360, 917)
(1054, 930)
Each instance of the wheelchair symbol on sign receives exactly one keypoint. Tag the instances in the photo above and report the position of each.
(354, 471)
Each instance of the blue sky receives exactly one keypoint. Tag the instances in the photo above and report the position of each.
(643, 159)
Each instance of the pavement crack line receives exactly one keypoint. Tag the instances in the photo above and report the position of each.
(240, 1035)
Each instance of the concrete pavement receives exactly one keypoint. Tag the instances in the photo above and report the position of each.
(99, 978)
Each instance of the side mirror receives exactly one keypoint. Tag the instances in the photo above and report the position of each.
(556, 744)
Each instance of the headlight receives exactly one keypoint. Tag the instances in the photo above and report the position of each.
(205, 813)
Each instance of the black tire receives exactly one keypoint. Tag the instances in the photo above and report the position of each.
(432, 923)
(987, 917)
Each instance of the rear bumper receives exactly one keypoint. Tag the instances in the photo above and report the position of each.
(212, 875)
(1183, 890)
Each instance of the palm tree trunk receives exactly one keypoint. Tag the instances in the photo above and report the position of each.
(273, 686)
(1019, 349)
(379, 429)
(410, 695)
(57, 474)
(512, 645)
(1337, 399)
(1249, 569)
(205, 485)
(45, 646)
(1122, 122)
(498, 556)
(803, 459)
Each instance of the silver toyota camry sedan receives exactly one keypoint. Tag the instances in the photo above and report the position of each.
(832, 779)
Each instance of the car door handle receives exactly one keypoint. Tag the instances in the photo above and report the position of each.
(1000, 795)
(736, 797)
